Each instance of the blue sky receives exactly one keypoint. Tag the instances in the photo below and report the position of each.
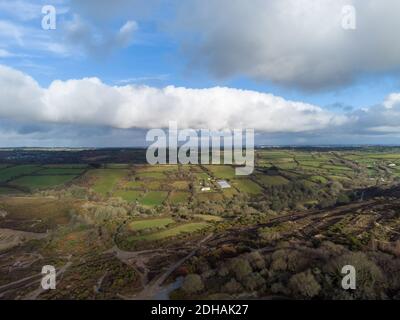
(344, 77)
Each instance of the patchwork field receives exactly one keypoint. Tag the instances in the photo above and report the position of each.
(16, 171)
(115, 229)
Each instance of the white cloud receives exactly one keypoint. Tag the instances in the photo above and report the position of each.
(89, 101)
(298, 43)
(392, 100)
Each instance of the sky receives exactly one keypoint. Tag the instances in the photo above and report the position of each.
(298, 72)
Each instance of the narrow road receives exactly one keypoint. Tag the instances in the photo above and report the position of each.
(151, 290)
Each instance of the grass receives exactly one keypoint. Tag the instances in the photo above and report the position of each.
(136, 184)
(150, 224)
(153, 185)
(156, 168)
(117, 166)
(229, 193)
(34, 214)
(272, 180)
(210, 196)
(319, 179)
(6, 190)
(154, 175)
(208, 217)
(67, 166)
(180, 185)
(153, 198)
(107, 179)
(287, 166)
(222, 172)
(201, 175)
(128, 195)
(42, 182)
(177, 197)
(173, 232)
(17, 171)
(57, 171)
(248, 186)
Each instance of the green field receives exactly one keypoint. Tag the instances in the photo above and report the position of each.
(319, 179)
(66, 166)
(153, 198)
(177, 197)
(150, 224)
(128, 195)
(42, 182)
(5, 190)
(210, 196)
(247, 186)
(60, 171)
(180, 185)
(136, 184)
(106, 179)
(154, 175)
(208, 217)
(16, 171)
(222, 172)
(172, 232)
(272, 180)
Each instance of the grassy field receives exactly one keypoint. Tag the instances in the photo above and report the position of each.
(222, 172)
(247, 186)
(16, 171)
(180, 185)
(208, 217)
(106, 179)
(177, 197)
(172, 232)
(210, 196)
(153, 198)
(150, 224)
(66, 166)
(59, 171)
(6, 190)
(272, 180)
(42, 182)
(35, 214)
(155, 175)
(128, 195)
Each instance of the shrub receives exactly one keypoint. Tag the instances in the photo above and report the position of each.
(192, 284)
(253, 281)
(240, 268)
(304, 285)
(370, 280)
(232, 286)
